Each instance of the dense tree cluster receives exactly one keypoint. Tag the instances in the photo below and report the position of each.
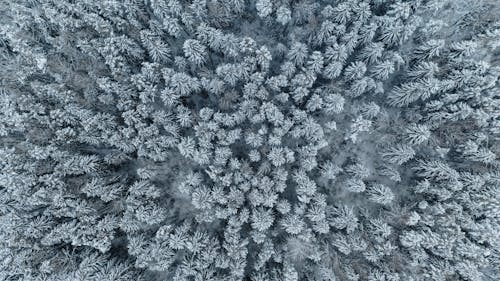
(258, 140)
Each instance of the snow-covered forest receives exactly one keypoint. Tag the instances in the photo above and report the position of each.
(243, 140)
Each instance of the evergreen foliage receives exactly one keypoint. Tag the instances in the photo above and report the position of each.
(257, 140)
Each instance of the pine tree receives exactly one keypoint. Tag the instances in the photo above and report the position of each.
(380, 194)
(298, 53)
(399, 154)
(264, 8)
(283, 15)
(195, 51)
(416, 134)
